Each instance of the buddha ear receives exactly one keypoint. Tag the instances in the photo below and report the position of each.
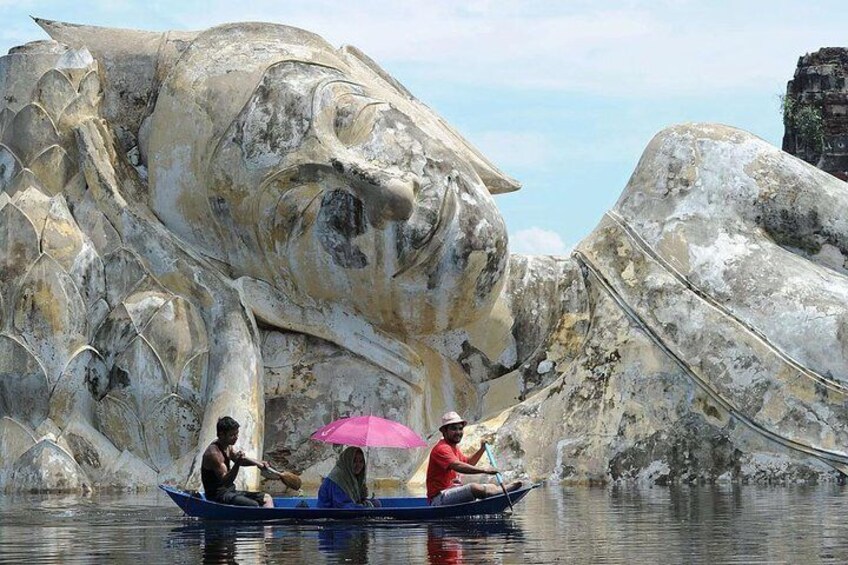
(132, 65)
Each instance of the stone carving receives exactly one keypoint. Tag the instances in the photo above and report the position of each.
(248, 221)
(716, 310)
(175, 203)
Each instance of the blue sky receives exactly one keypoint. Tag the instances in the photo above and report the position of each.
(562, 96)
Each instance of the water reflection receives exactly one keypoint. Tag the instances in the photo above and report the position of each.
(452, 543)
(217, 543)
(461, 542)
(442, 548)
(347, 544)
(225, 542)
(618, 524)
(218, 546)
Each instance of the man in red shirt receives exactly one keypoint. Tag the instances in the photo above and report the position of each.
(446, 461)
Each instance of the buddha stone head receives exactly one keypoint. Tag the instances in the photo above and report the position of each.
(309, 168)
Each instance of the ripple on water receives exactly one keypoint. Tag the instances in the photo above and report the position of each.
(617, 524)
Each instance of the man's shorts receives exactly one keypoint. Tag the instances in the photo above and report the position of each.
(242, 498)
(453, 495)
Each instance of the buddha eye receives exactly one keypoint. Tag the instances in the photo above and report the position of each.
(355, 117)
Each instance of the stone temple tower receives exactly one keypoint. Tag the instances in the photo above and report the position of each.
(815, 111)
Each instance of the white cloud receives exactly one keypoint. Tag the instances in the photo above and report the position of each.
(536, 241)
(629, 48)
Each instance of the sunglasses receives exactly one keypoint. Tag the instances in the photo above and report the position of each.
(455, 427)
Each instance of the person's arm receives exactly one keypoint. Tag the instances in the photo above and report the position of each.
(468, 469)
(474, 459)
(444, 457)
(469, 466)
(241, 459)
(214, 460)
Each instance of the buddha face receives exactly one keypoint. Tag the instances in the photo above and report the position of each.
(325, 187)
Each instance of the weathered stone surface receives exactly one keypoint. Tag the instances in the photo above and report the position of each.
(171, 428)
(83, 382)
(117, 420)
(61, 238)
(46, 467)
(249, 222)
(18, 251)
(715, 347)
(24, 388)
(124, 272)
(15, 440)
(49, 315)
(90, 448)
(316, 382)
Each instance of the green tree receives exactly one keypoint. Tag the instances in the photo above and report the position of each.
(806, 120)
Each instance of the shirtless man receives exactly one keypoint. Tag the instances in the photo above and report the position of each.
(218, 475)
(446, 461)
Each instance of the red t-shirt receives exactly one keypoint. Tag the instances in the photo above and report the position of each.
(439, 475)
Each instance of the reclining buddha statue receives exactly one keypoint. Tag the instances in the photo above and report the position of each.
(247, 221)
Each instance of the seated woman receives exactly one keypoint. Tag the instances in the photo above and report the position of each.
(345, 486)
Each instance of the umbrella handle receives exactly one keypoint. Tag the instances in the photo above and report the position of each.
(498, 475)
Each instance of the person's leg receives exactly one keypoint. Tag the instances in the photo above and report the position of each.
(486, 490)
(247, 498)
(493, 489)
(261, 498)
(438, 500)
(240, 498)
(514, 485)
(480, 490)
(457, 495)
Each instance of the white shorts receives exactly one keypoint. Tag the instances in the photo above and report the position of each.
(453, 495)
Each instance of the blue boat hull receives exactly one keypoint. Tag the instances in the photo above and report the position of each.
(417, 509)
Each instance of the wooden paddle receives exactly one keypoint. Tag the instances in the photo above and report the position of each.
(498, 475)
(289, 479)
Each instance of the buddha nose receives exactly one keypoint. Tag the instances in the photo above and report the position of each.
(386, 196)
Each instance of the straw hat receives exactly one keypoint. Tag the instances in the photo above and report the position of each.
(452, 418)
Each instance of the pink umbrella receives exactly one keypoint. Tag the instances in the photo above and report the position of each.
(369, 431)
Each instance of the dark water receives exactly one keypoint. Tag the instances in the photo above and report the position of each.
(709, 524)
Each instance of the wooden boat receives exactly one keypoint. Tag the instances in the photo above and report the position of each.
(399, 508)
